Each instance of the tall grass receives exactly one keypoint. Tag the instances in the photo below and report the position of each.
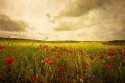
(29, 61)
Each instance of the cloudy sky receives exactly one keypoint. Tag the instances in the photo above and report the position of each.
(80, 20)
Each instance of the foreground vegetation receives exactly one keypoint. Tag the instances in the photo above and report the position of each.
(77, 62)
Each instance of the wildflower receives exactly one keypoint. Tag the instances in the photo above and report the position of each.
(120, 51)
(53, 49)
(45, 46)
(101, 57)
(1, 47)
(47, 60)
(74, 52)
(47, 50)
(81, 52)
(86, 64)
(61, 68)
(56, 46)
(58, 56)
(82, 57)
(64, 57)
(34, 78)
(38, 47)
(70, 51)
(61, 47)
(74, 57)
(9, 60)
(111, 53)
(51, 62)
(109, 65)
(91, 57)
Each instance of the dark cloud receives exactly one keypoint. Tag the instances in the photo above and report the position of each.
(6, 24)
(81, 7)
(109, 23)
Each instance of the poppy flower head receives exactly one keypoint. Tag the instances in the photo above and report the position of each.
(1, 47)
(64, 57)
(53, 49)
(101, 57)
(61, 68)
(34, 78)
(47, 50)
(51, 62)
(47, 60)
(9, 60)
(38, 47)
(92, 57)
(109, 65)
(56, 46)
(86, 64)
(111, 53)
(120, 51)
(58, 56)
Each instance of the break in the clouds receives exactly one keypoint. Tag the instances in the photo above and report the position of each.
(80, 20)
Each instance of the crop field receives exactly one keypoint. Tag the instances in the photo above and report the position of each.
(24, 61)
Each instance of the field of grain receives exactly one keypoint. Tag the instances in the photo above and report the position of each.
(63, 62)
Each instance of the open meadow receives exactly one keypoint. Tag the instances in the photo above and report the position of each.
(23, 61)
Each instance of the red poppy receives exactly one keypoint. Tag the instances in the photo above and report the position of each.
(47, 50)
(92, 57)
(82, 57)
(61, 68)
(34, 78)
(38, 47)
(53, 49)
(111, 53)
(109, 65)
(120, 51)
(61, 48)
(101, 57)
(51, 62)
(74, 52)
(70, 51)
(56, 46)
(1, 47)
(47, 60)
(9, 60)
(81, 52)
(74, 57)
(86, 64)
(58, 56)
(45, 46)
(64, 57)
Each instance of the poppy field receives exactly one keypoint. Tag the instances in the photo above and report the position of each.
(61, 62)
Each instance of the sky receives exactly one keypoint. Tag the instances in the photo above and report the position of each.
(60, 20)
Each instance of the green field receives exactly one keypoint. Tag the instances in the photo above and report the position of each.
(61, 62)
